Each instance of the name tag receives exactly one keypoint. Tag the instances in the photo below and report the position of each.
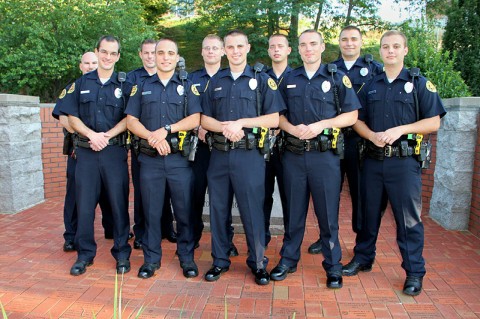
(85, 92)
(217, 89)
(291, 86)
(372, 92)
(146, 92)
(196, 84)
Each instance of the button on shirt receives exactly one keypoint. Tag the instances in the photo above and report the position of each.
(312, 100)
(361, 72)
(227, 99)
(99, 106)
(156, 105)
(387, 105)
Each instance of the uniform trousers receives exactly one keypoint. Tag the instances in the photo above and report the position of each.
(240, 172)
(157, 173)
(95, 172)
(318, 174)
(399, 178)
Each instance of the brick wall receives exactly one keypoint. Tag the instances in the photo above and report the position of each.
(474, 224)
(427, 177)
(54, 162)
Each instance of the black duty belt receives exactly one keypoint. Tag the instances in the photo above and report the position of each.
(221, 143)
(349, 132)
(298, 146)
(172, 140)
(380, 153)
(83, 141)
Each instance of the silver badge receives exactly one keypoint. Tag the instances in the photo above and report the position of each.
(180, 90)
(408, 87)
(363, 71)
(118, 93)
(252, 84)
(326, 86)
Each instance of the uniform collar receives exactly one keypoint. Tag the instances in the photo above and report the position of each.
(272, 74)
(322, 71)
(248, 72)
(155, 78)
(94, 76)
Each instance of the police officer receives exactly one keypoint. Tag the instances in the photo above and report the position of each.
(160, 111)
(236, 166)
(88, 63)
(319, 103)
(396, 103)
(360, 70)
(278, 50)
(95, 104)
(212, 53)
(138, 76)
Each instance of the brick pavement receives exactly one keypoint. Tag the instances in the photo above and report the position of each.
(35, 280)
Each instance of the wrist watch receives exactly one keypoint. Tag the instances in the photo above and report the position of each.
(168, 128)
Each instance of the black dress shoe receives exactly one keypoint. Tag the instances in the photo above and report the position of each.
(79, 267)
(197, 244)
(108, 236)
(148, 270)
(413, 285)
(130, 235)
(190, 269)
(232, 251)
(68, 246)
(352, 268)
(171, 236)
(137, 244)
(334, 281)
(315, 248)
(281, 271)
(261, 276)
(215, 272)
(123, 266)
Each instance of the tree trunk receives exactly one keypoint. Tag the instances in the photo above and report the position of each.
(319, 14)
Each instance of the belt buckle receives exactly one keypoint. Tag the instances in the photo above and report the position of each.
(308, 146)
(231, 145)
(388, 151)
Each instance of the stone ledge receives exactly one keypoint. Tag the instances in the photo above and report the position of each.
(9, 98)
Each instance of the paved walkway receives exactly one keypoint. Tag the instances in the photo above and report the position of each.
(35, 280)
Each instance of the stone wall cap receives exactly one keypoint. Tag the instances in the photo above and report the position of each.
(18, 98)
(47, 105)
(463, 102)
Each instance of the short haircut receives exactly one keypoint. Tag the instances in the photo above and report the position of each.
(351, 27)
(235, 32)
(147, 41)
(167, 39)
(279, 35)
(395, 32)
(108, 38)
(213, 37)
(312, 31)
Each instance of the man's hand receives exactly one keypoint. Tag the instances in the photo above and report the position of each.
(233, 130)
(163, 148)
(201, 134)
(391, 135)
(377, 139)
(156, 137)
(98, 141)
(311, 131)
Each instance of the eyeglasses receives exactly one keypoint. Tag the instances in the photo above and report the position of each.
(105, 52)
(211, 48)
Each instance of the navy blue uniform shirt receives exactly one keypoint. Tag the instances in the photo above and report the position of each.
(138, 76)
(156, 105)
(387, 105)
(200, 79)
(99, 106)
(278, 80)
(361, 72)
(229, 100)
(312, 100)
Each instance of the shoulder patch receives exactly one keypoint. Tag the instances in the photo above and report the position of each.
(134, 90)
(194, 90)
(431, 87)
(346, 82)
(272, 84)
(62, 95)
(71, 89)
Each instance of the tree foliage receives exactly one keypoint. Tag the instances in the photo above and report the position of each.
(41, 41)
(462, 35)
(437, 66)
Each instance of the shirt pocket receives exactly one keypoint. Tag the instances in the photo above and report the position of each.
(324, 105)
(149, 107)
(114, 109)
(248, 103)
(404, 110)
(87, 107)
